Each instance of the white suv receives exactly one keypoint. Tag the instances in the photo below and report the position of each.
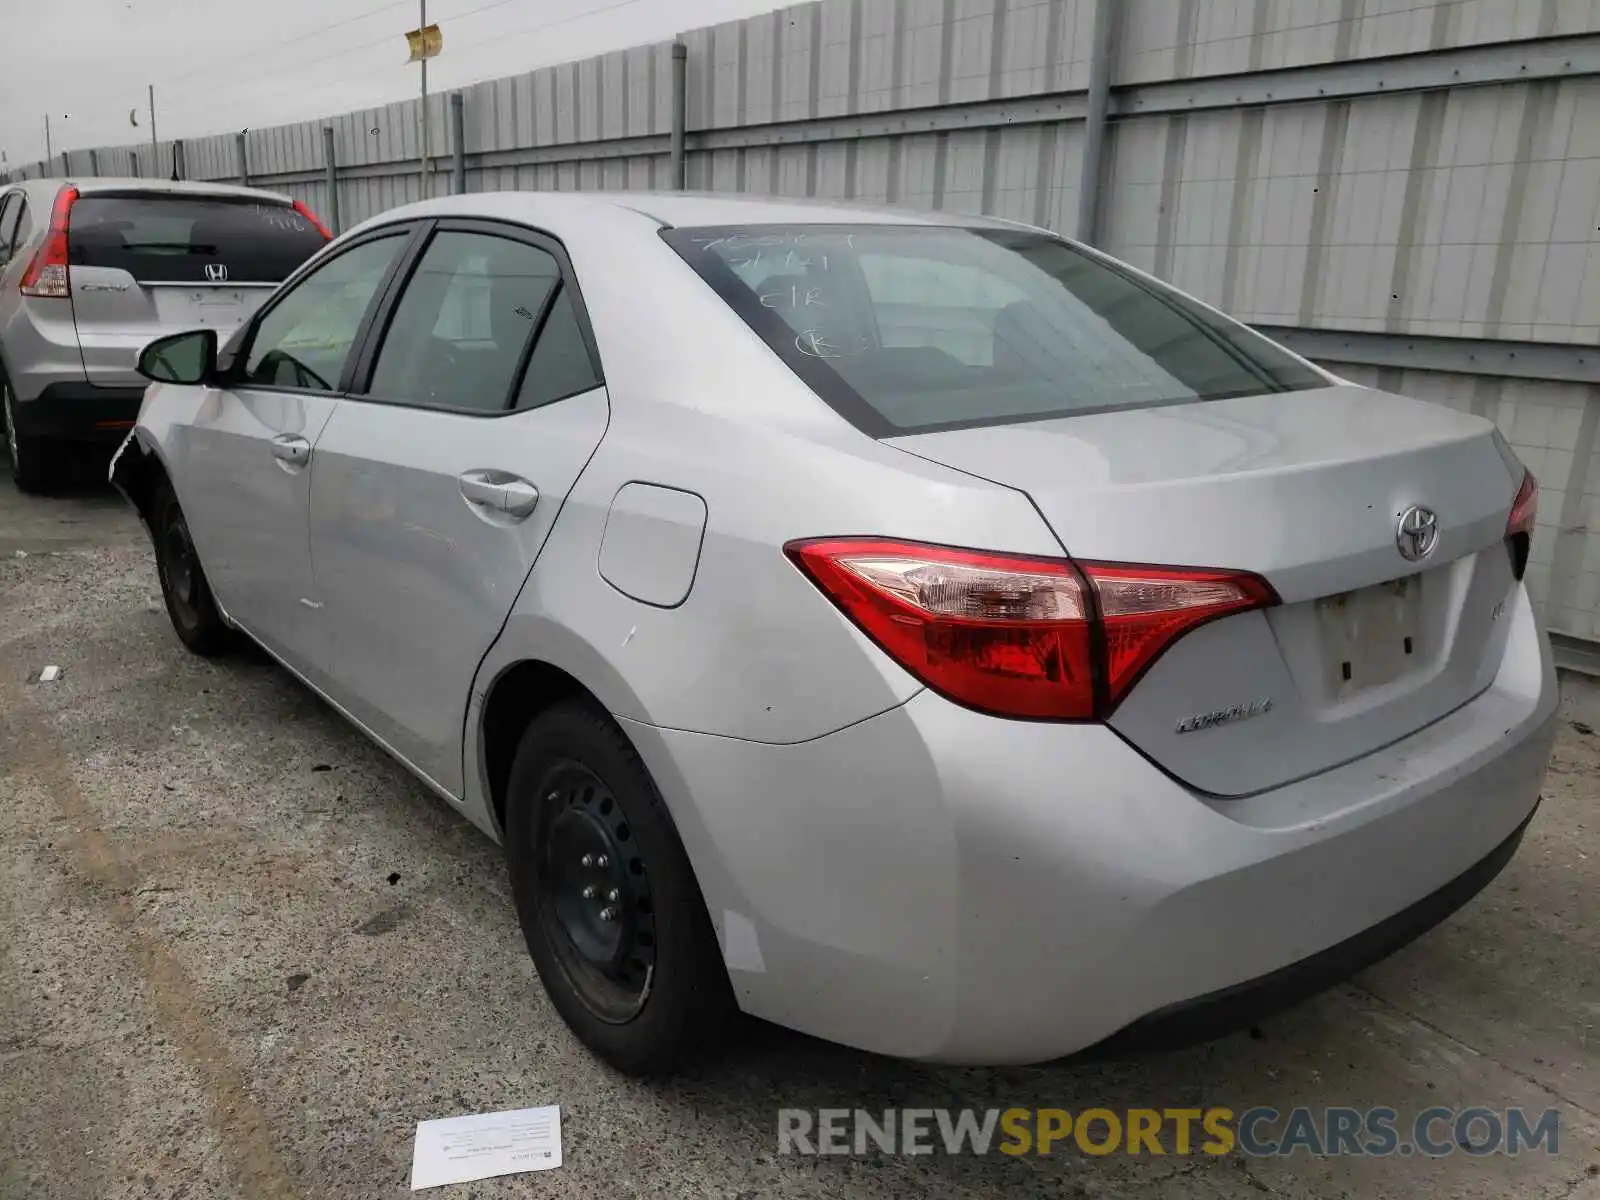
(92, 270)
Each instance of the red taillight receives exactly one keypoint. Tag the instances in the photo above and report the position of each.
(299, 207)
(1525, 508)
(1145, 609)
(1519, 526)
(47, 273)
(1016, 635)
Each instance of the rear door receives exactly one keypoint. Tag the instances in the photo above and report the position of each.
(244, 456)
(148, 263)
(433, 492)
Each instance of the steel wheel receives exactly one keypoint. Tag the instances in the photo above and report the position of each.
(594, 889)
(11, 422)
(177, 555)
(183, 579)
(639, 976)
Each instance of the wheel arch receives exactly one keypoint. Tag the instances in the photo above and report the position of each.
(513, 700)
(515, 687)
(137, 471)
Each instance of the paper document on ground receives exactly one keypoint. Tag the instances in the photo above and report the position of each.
(461, 1149)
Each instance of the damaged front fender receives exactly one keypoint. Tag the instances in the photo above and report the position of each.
(135, 470)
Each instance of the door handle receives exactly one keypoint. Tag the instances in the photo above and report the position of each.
(478, 489)
(521, 497)
(498, 493)
(291, 448)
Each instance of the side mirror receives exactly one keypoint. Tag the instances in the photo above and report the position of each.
(181, 357)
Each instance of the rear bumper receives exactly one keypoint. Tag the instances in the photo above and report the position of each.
(80, 412)
(937, 884)
(1231, 1008)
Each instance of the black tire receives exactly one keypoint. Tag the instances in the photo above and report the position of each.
(32, 460)
(194, 614)
(661, 993)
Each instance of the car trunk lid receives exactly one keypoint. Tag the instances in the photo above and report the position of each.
(143, 264)
(1306, 489)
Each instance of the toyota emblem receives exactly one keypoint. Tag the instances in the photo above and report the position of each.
(1416, 533)
(216, 273)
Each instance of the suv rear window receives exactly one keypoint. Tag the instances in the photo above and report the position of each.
(909, 329)
(174, 239)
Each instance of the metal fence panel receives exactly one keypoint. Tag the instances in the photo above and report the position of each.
(1412, 183)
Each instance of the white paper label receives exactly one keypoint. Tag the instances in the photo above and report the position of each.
(461, 1149)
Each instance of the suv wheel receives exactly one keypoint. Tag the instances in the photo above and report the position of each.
(607, 900)
(30, 465)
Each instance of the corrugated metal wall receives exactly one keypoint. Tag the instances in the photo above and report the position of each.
(1389, 184)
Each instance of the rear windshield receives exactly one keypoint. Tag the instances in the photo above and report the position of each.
(190, 239)
(907, 329)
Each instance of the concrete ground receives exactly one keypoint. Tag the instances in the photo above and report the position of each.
(243, 954)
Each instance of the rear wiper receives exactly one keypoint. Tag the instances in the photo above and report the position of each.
(174, 247)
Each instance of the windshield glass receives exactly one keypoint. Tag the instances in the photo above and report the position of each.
(907, 329)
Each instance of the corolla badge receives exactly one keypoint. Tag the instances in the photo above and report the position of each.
(1225, 716)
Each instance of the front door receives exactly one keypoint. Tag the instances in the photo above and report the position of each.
(248, 450)
(435, 486)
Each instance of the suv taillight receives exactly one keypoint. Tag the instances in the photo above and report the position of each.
(1519, 526)
(1016, 635)
(47, 273)
(299, 207)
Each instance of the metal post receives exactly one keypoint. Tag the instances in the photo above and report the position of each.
(333, 180)
(155, 165)
(679, 174)
(66, 162)
(458, 142)
(1102, 65)
(94, 162)
(243, 155)
(48, 152)
(422, 113)
(133, 162)
(179, 167)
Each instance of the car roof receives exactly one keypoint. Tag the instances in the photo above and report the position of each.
(678, 209)
(166, 187)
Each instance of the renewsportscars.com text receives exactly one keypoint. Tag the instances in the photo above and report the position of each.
(1261, 1131)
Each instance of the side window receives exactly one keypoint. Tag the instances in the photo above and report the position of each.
(560, 365)
(10, 208)
(304, 340)
(463, 322)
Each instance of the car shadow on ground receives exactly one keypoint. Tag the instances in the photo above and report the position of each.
(75, 511)
(82, 472)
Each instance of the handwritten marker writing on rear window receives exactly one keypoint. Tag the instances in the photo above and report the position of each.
(461, 1149)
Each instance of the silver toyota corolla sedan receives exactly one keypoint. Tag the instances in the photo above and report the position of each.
(920, 631)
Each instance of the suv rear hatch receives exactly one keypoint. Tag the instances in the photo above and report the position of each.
(147, 263)
(1305, 489)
